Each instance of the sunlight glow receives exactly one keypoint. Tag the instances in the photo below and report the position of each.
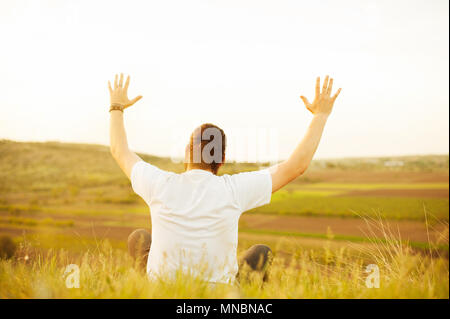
(239, 64)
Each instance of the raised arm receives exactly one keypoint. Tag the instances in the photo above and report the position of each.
(118, 137)
(298, 162)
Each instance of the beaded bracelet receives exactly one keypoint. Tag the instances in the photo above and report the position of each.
(116, 107)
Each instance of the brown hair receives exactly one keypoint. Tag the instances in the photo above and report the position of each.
(213, 138)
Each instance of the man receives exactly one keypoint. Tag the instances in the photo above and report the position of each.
(195, 214)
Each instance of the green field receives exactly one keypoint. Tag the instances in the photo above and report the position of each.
(362, 186)
(313, 203)
(70, 203)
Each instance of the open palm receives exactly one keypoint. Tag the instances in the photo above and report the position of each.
(119, 93)
(323, 101)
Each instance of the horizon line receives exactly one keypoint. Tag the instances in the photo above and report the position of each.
(160, 156)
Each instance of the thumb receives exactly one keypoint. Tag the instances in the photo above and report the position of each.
(137, 98)
(305, 100)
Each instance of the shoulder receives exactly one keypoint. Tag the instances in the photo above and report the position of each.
(144, 168)
(242, 180)
(263, 173)
(145, 178)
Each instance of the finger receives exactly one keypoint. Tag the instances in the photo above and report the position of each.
(115, 82)
(127, 82)
(325, 85)
(137, 98)
(109, 86)
(330, 87)
(305, 100)
(121, 80)
(317, 86)
(336, 95)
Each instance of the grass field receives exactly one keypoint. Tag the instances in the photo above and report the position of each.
(109, 273)
(70, 203)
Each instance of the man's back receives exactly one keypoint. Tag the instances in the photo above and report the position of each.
(195, 214)
(195, 218)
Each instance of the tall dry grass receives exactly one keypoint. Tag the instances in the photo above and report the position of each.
(110, 273)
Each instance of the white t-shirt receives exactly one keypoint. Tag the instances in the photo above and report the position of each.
(195, 218)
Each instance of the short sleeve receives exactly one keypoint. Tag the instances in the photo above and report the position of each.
(144, 177)
(252, 189)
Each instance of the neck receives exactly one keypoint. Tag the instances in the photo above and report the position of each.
(189, 167)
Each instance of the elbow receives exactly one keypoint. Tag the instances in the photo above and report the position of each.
(114, 152)
(294, 171)
(302, 166)
(301, 170)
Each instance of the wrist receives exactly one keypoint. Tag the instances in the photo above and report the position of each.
(116, 107)
(323, 116)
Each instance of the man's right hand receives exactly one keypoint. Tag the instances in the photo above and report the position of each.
(323, 102)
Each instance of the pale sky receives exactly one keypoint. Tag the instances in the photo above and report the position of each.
(240, 64)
